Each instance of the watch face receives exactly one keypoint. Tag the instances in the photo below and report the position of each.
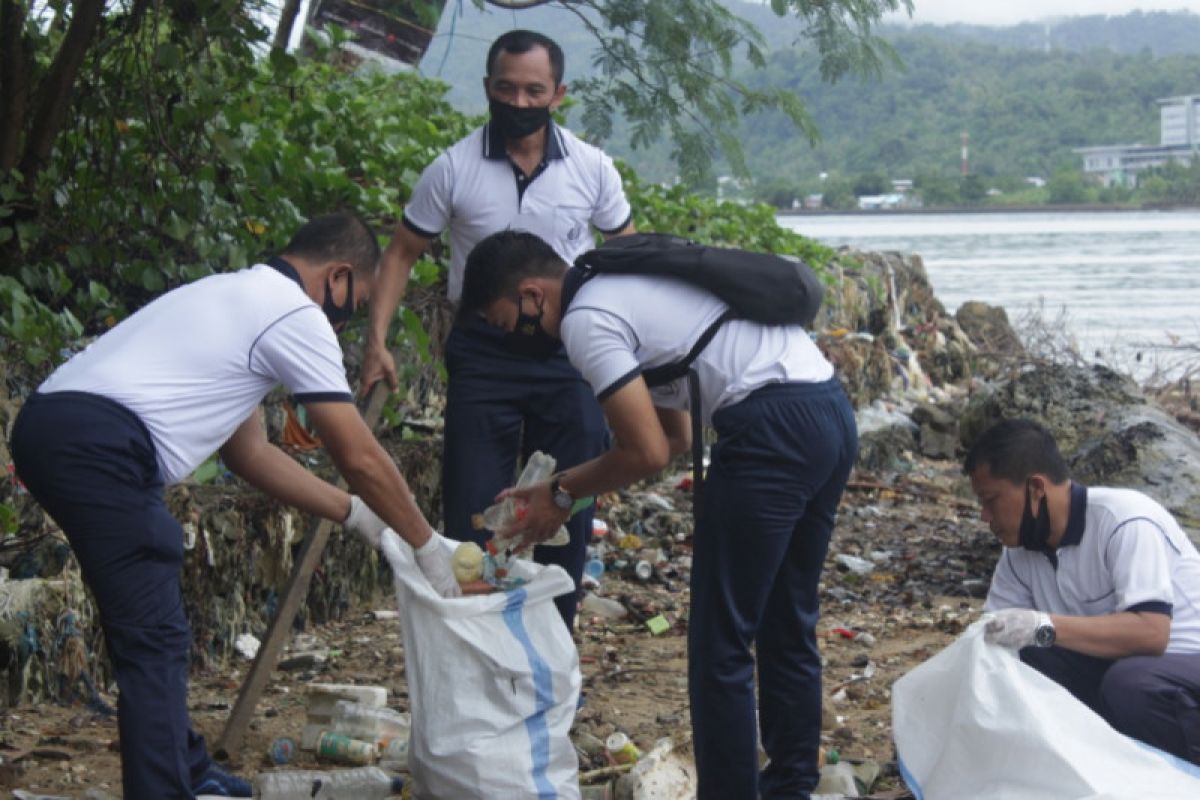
(563, 500)
(1044, 636)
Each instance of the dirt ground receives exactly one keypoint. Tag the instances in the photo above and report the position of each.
(906, 572)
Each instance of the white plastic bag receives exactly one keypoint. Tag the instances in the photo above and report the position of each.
(493, 682)
(973, 721)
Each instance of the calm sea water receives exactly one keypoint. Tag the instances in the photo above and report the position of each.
(1121, 283)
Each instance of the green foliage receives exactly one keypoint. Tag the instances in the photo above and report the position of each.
(1067, 186)
(751, 227)
(1172, 184)
(203, 164)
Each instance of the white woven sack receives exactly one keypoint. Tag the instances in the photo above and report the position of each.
(975, 722)
(493, 683)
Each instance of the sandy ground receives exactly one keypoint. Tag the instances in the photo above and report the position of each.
(929, 559)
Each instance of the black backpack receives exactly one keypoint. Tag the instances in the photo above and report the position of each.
(763, 288)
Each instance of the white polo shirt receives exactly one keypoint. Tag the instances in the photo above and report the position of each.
(619, 325)
(196, 362)
(476, 190)
(1122, 552)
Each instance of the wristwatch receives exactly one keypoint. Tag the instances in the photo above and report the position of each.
(561, 497)
(1043, 635)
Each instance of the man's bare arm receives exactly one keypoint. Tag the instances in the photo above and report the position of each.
(395, 266)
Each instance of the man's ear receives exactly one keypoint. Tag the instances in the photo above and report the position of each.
(1037, 488)
(557, 99)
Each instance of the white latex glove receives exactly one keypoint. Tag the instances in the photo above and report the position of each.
(1013, 627)
(363, 521)
(435, 561)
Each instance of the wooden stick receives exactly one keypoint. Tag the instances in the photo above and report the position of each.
(295, 593)
(916, 491)
(604, 773)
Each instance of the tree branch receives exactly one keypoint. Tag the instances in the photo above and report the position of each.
(55, 92)
(14, 81)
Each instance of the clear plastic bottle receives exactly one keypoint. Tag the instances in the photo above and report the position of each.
(394, 755)
(369, 723)
(364, 783)
(293, 785)
(502, 515)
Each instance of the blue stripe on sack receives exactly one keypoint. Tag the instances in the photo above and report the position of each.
(913, 786)
(535, 725)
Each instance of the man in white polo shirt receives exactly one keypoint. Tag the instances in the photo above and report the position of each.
(519, 171)
(786, 444)
(145, 404)
(1098, 588)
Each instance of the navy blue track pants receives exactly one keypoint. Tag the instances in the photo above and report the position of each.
(781, 461)
(90, 463)
(499, 405)
(1155, 699)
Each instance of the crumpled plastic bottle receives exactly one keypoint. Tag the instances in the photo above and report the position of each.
(503, 515)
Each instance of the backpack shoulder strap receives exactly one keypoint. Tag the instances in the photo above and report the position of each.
(657, 376)
(575, 278)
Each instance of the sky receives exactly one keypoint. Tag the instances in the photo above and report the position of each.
(1011, 12)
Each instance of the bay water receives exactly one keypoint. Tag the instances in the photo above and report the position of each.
(1122, 286)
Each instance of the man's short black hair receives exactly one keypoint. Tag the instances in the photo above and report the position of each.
(339, 236)
(522, 41)
(501, 261)
(1014, 449)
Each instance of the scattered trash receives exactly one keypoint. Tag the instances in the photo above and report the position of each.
(621, 749)
(283, 750)
(247, 645)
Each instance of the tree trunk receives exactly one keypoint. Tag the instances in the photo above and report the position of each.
(57, 88)
(14, 81)
(287, 21)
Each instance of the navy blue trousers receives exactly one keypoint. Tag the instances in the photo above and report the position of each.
(1155, 699)
(777, 473)
(499, 405)
(91, 465)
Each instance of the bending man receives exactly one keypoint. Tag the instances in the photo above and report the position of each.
(152, 398)
(786, 444)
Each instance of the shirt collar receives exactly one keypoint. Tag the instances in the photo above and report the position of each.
(494, 146)
(1077, 518)
(284, 268)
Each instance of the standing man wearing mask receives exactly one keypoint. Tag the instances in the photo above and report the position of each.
(513, 394)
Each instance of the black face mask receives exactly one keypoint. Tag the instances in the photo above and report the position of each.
(1035, 531)
(517, 123)
(529, 338)
(337, 315)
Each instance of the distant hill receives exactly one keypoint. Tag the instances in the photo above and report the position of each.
(1027, 94)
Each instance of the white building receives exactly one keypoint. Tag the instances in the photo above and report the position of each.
(1179, 140)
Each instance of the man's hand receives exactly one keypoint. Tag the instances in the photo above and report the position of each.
(434, 560)
(363, 521)
(378, 365)
(542, 518)
(1013, 627)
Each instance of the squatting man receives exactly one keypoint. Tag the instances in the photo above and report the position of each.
(1097, 588)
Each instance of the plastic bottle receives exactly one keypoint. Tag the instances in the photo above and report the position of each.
(341, 748)
(293, 785)
(394, 755)
(503, 515)
(364, 783)
(369, 724)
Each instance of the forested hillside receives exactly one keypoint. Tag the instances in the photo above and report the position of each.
(1025, 94)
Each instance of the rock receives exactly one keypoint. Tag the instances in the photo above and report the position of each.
(1108, 432)
(989, 330)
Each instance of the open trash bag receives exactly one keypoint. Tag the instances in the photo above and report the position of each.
(975, 722)
(493, 683)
